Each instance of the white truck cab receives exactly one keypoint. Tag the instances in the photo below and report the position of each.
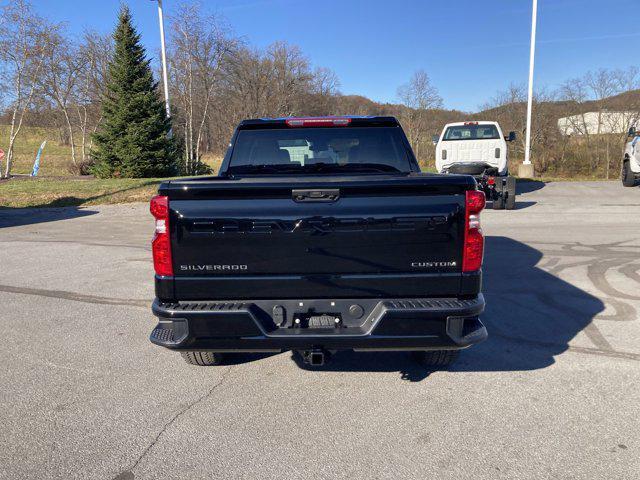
(474, 148)
(478, 149)
(631, 161)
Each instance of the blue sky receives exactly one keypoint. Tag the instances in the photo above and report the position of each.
(469, 48)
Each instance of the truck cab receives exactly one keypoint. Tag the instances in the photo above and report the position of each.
(478, 148)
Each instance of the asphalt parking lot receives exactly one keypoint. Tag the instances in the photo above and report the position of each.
(554, 393)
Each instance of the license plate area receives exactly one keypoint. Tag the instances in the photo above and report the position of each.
(317, 320)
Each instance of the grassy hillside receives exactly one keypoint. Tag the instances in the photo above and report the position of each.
(55, 159)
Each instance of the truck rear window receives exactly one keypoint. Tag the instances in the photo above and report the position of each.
(333, 145)
(472, 132)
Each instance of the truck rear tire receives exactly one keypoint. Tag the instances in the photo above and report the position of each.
(627, 176)
(202, 359)
(436, 359)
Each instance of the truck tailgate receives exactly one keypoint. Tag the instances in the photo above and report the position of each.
(317, 236)
(472, 151)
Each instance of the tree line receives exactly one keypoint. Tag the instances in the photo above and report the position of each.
(49, 77)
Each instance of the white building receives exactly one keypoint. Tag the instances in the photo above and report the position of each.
(594, 123)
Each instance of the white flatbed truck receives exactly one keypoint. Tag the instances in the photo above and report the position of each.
(479, 149)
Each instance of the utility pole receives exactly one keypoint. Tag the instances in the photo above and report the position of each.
(526, 169)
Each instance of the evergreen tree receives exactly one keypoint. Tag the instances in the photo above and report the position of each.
(134, 138)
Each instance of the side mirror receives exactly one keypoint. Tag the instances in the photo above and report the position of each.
(511, 137)
(632, 132)
(435, 139)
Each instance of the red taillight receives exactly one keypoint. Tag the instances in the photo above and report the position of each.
(473, 240)
(475, 202)
(160, 207)
(318, 122)
(161, 243)
(471, 123)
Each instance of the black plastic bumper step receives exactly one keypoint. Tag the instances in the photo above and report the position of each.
(164, 335)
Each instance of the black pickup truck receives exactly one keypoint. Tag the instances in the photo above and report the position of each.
(318, 235)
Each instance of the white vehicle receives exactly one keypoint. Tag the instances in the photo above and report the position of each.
(631, 162)
(478, 149)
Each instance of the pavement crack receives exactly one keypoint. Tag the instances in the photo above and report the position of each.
(572, 348)
(77, 242)
(179, 414)
(75, 297)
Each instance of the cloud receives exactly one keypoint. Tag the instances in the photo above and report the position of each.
(589, 38)
(551, 41)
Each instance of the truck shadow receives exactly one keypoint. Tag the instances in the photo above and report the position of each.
(60, 208)
(531, 317)
(15, 217)
(531, 314)
(523, 205)
(519, 205)
(528, 186)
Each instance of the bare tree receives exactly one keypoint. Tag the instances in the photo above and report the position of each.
(276, 82)
(324, 90)
(418, 95)
(325, 82)
(591, 94)
(626, 79)
(290, 77)
(60, 78)
(574, 91)
(97, 51)
(508, 107)
(247, 84)
(200, 45)
(23, 46)
(602, 84)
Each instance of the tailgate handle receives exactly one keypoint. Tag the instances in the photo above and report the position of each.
(313, 195)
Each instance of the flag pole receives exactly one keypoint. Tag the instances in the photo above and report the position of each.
(532, 52)
(165, 80)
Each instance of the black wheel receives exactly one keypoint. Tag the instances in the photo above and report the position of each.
(202, 359)
(510, 202)
(627, 176)
(436, 359)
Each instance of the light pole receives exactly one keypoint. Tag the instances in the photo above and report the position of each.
(526, 169)
(165, 80)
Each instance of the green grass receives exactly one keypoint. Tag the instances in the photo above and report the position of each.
(55, 186)
(44, 192)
